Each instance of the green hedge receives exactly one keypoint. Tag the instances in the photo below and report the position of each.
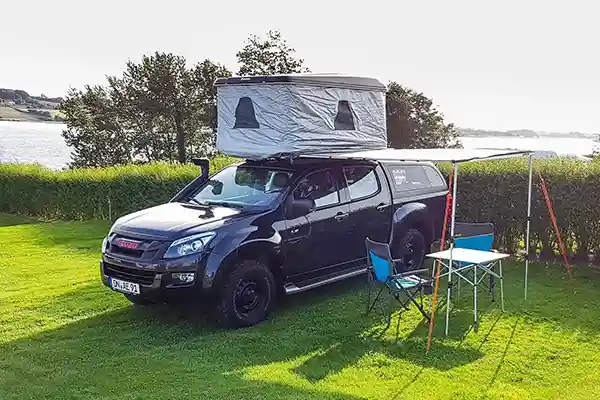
(102, 193)
(493, 191)
(496, 191)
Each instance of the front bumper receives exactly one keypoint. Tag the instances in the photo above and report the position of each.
(155, 277)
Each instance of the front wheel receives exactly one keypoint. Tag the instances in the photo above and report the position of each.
(413, 248)
(247, 296)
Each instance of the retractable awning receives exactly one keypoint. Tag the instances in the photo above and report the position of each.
(431, 155)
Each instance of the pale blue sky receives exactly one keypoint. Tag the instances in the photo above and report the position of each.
(501, 65)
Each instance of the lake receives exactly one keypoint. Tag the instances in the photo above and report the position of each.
(35, 142)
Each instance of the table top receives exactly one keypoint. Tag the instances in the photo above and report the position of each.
(469, 256)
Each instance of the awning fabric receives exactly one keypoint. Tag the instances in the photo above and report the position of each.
(431, 155)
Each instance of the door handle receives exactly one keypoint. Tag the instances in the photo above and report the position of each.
(340, 216)
(382, 207)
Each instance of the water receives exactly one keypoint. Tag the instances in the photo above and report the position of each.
(33, 142)
(36, 142)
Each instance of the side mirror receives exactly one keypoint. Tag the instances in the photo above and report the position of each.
(301, 207)
(217, 187)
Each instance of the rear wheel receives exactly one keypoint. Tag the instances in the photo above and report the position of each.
(247, 296)
(412, 249)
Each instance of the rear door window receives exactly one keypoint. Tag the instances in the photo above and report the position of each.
(361, 181)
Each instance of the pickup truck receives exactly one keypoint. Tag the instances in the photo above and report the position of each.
(259, 229)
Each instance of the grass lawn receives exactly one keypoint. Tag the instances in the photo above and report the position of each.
(63, 335)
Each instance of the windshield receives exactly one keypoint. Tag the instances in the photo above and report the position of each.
(243, 186)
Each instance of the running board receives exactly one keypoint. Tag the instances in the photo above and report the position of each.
(291, 288)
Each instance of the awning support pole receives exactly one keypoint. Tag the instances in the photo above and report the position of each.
(438, 262)
(528, 222)
(452, 219)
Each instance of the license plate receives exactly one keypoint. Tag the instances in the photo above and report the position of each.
(125, 287)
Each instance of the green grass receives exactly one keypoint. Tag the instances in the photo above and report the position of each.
(65, 336)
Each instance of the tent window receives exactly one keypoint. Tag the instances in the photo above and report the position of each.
(244, 115)
(344, 120)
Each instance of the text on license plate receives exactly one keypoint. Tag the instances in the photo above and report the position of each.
(123, 286)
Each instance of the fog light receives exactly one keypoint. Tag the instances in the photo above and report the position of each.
(183, 277)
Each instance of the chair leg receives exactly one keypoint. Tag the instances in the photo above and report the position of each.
(398, 325)
(370, 304)
(416, 303)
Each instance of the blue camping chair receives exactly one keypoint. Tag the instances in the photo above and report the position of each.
(475, 236)
(391, 275)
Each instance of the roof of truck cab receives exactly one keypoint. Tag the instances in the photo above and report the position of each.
(304, 163)
(321, 80)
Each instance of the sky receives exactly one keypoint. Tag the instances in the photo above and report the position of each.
(488, 65)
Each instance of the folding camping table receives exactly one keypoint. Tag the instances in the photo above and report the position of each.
(470, 260)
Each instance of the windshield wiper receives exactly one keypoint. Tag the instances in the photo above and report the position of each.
(225, 204)
(200, 203)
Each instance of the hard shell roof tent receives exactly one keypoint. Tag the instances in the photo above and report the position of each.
(300, 114)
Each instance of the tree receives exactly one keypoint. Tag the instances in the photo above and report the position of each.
(269, 56)
(158, 108)
(93, 129)
(413, 122)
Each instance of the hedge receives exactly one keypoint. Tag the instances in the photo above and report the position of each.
(493, 191)
(94, 193)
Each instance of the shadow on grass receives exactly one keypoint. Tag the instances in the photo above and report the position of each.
(79, 236)
(161, 351)
(15, 220)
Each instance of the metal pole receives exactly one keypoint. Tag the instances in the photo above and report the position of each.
(454, 184)
(528, 223)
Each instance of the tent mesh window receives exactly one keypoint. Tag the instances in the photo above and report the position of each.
(344, 120)
(244, 115)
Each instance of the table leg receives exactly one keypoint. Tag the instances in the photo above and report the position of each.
(448, 297)
(476, 325)
(501, 286)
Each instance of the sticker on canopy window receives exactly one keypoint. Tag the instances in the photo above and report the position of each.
(399, 175)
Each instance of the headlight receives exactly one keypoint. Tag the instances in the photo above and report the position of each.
(104, 243)
(189, 245)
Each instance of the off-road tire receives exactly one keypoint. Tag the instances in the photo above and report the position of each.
(412, 248)
(250, 281)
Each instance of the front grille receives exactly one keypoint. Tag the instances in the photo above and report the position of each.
(126, 252)
(146, 250)
(129, 274)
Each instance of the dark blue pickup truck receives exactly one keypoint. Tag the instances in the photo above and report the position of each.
(259, 229)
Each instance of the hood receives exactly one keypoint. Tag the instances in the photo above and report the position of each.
(173, 220)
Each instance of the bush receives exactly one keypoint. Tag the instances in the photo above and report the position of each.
(102, 193)
(496, 191)
(493, 191)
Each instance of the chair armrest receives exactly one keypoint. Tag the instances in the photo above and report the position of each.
(413, 272)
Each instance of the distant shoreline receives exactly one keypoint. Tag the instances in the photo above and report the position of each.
(38, 121)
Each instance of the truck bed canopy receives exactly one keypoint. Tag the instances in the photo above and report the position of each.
(431, 155)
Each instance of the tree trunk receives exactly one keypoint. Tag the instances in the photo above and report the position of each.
(180, 140)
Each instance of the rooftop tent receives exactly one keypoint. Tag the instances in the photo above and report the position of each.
(269, 116)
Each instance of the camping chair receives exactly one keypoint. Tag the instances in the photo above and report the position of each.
(475, 236)
(391, 275)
